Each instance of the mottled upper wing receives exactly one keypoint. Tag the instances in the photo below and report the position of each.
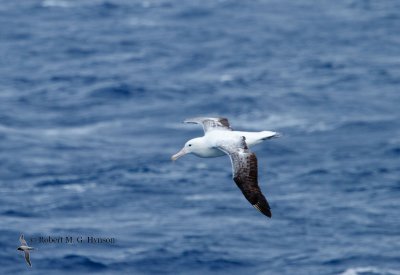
(22, 240)
(27, 258)
(210, 123)
(245, 175)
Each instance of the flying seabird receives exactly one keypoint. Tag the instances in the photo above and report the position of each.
(219, 139)
(24, 247)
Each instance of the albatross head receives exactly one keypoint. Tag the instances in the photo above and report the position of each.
(192, 146)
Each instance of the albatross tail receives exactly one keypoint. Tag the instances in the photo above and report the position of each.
(253, 138)
(270, 134)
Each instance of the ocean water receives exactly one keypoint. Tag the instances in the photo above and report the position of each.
(92, 95)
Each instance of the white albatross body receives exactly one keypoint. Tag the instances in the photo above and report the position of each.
(219, 139)
(207, 146)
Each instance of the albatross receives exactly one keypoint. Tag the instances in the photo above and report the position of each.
(24, 247)
(220, 139)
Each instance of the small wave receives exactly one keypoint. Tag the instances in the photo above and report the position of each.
(68, 184)
(78, 51)
(317, 172)
(142, 23)
(208, 197)
(78, 262)
(81, 3)
(71, 131)
(55, 3)
(14, 213)
(369, 271)
(118, 91)
(79, 188)
(226, 78)
(59, 131)
(255, 121)
(194, 13)
(395, 151)
(378, 122)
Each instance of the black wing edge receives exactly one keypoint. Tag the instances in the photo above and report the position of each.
(263, 206)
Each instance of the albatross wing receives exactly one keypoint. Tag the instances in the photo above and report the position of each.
(22, 240)
(210, 123)
(245, 175)
(27, 258)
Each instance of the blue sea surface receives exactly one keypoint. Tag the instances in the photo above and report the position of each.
(92, 96)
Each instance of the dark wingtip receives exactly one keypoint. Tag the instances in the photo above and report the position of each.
(264, 210)
(267, 212)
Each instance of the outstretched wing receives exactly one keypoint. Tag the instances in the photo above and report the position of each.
(211, 123)
(22, 240)
(245, 174)
(27, 258)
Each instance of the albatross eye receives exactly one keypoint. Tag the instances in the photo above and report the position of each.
(190, 145)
